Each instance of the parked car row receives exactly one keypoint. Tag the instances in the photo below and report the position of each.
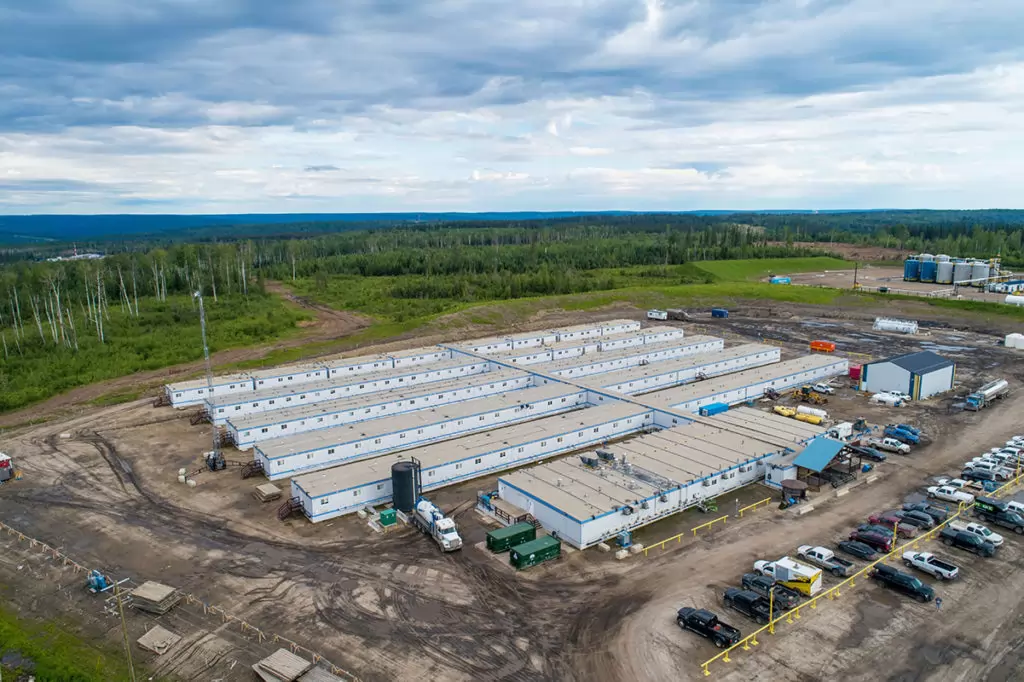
(778, 586)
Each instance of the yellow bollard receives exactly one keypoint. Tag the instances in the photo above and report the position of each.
(746, 647)
(796, 614)
(753, 640)
(814, 604)
(789, 618)
(726, 657)
(706, 671)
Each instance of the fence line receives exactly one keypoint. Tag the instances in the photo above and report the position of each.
(679, 538)
(226, 617)
(832, 593)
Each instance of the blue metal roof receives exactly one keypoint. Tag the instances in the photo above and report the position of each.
(818, 453)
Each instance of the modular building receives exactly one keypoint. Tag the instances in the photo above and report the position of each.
(348, 488)
(609, 361)
(687, 369)
(501, 344)
(331, 447)
(575, 348)
(919, 375)
(196, 391)
(222, 409)
(641, 480)
(250, 429)
(750, 384)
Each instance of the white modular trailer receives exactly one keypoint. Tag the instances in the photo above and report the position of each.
(255, 428)
(222, 409)
(502, 344)
(346, 489)
(750, 384)
(610, 361)
(417, 357)
(653, 476)
(650, 335)
(195, 392)
(687, 369)
(315, 450)
(576, 348)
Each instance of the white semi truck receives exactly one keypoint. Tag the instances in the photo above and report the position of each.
(432, 521)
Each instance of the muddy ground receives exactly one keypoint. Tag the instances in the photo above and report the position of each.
(102, 487)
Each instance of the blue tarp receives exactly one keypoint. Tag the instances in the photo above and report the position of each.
(819, 453)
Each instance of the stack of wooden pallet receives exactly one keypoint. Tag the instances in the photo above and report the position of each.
(266, 492)
(155, 597)
(281, 666)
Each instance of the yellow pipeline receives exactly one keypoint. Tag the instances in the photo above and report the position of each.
(809, 418)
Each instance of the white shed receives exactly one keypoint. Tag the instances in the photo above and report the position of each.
(920, 375)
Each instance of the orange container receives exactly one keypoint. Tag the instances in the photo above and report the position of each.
(823, 346)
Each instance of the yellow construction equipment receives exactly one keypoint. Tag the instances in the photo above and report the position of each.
(784, 411)
(806, 394)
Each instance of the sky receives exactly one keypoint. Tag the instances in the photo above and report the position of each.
(229, 106)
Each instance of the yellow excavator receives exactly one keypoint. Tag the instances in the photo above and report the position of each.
(806, 394)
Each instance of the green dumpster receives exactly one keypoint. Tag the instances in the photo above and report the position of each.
(388, 517)
(503, 539)
(535, 552)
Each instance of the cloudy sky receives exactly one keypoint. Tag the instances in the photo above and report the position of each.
(227, 106)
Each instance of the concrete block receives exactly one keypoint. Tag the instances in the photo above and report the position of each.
(871, 479)
(842, 491)
(622, 554)
(804, 509)
(604, 547)
(636, 549)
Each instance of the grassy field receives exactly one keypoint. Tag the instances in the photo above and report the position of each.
(165, 333)
(746, 270)
(58, 655)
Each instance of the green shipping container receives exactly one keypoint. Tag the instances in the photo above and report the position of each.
(535, 552)
(503, 539)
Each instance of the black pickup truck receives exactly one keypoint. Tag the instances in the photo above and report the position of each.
(902, 582)
(707, 625)
(785, 598)
(750, 604)
(967, 541)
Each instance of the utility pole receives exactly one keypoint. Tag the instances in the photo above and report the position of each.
(209, 374)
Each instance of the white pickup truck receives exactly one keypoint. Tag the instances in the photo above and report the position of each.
(890, 444)
(931, 564)
(950, 494)
(825, 558)
(981, 531)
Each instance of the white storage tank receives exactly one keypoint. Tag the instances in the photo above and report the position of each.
(1014, 340)
(1014, 300)
(942, 258)
(944, 274)
(979, 273)
(803, 409)
(926, 258)
(961, 271)
(884, 324)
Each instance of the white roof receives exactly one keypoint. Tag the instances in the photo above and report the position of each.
(357, 474)
(619, 353)
(344, 380)
(336, 435)
(660, 367)
(682, 394)
(367, 400)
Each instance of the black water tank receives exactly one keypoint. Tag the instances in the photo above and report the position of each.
(403, 485)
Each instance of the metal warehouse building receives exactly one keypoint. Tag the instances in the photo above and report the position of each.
(346, 489)
(919, 375)
(255, 428)
(750, 384)
(641, 480)
(330, 447)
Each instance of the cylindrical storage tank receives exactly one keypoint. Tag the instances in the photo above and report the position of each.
(929, 269)
(809, 418)
(1014, 300)
(803, 409)
(926, 258)
(942, 258)
(979, 273)
(961, 271)
(911, 270)
(403, 486)
(944, 273)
